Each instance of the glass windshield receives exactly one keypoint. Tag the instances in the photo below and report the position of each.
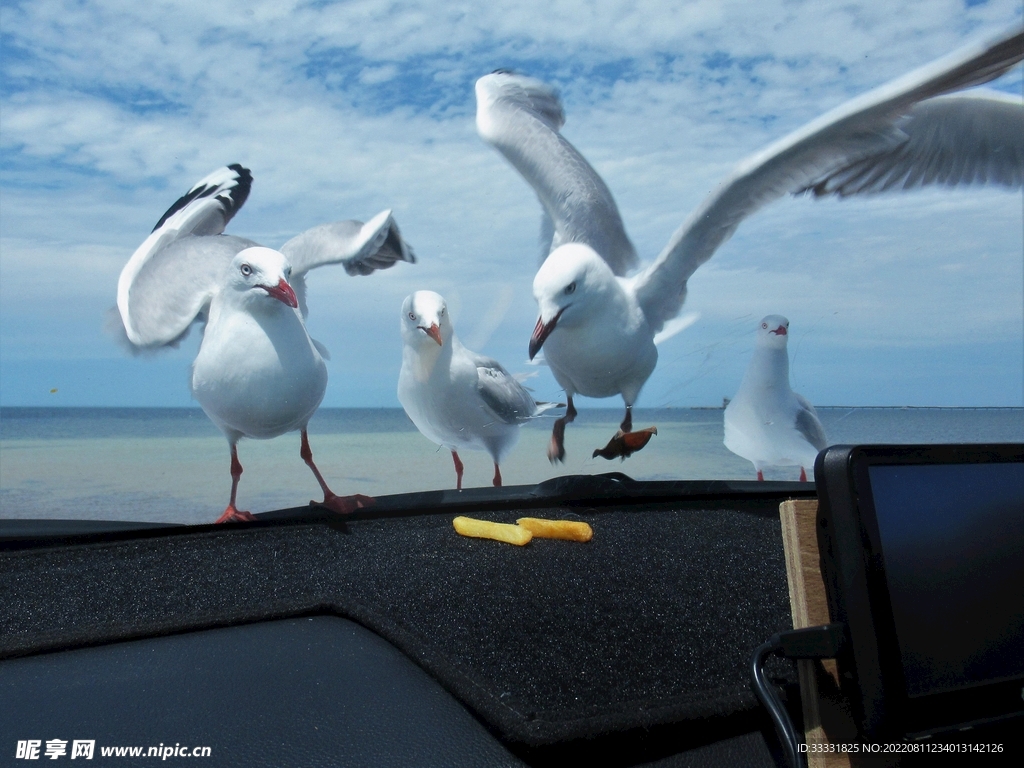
(896, 317)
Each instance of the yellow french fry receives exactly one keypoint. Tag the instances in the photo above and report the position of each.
(484, 529)
(570, 530)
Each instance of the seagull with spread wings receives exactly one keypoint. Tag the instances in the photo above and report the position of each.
(258, 374)
(599, 316)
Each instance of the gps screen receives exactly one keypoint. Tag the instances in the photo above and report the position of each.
(952, 539)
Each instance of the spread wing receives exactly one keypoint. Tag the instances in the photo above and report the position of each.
(950, 140)
(521, 117)
(360, 248)
(888, 138)
(169, 280)
(509, 399)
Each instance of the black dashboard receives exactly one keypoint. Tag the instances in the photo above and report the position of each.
(384, 638)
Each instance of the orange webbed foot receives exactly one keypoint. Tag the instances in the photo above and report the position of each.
(556, 451)
(232, 515)
(625, 444)
(344, 505)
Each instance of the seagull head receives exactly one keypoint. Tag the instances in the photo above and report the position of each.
(773, 331)
(425, 320)
(258, 273)
(572, 283)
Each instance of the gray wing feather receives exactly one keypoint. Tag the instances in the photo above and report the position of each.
(360, 248)
(808, 424)
(165, 285)
(868, 126)
(174, 286)
(509, 399)
(951, 140)
(520, 117)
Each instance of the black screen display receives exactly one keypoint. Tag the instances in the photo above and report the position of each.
(952, 540)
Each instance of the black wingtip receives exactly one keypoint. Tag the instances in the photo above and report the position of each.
(240, 192)
(232, 198)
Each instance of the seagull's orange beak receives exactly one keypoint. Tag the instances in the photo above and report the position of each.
(541, 332)
(780, 331)
(434, 332)
(282, 292)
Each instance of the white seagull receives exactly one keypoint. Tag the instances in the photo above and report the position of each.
(258, 373)
(598, 326)
(455, 397)
(767, 423)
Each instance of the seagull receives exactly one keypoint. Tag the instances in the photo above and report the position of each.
(597, 325)
(258, 374)
(767, 423)
(455, 397)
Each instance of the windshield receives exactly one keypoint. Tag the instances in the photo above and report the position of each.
(902, 313)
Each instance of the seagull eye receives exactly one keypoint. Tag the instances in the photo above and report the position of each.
(412, 315)
(246, 270)
(570, 288)
(764, 325)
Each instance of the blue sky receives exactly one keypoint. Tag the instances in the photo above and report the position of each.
(111, 110)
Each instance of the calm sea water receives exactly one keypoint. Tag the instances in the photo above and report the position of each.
(171, 464)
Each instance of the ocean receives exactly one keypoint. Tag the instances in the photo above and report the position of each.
(171, 464)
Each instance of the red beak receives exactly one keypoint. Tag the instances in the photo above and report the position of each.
(541, 333)
(780, 331)
(433, 332)
(282, 292)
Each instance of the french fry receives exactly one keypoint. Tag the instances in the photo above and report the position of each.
(570, 530)
(484, 529)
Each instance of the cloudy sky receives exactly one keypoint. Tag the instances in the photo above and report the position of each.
(110, 110)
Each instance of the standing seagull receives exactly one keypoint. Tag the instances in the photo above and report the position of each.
(597, 326)
(454, 396)
(258, 373)
(767, 423)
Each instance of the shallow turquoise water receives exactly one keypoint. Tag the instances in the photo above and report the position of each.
(171, 465)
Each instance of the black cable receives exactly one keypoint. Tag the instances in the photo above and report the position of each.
(766, 693)
(822, 642)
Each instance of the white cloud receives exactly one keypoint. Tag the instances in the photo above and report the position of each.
(378, 75)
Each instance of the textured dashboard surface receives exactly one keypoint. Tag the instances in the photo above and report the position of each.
(650, 623)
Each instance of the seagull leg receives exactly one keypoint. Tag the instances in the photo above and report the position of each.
(458, 471)
(556, 448)
(803, 475)
(627, 423)
(232, 514)
(340, 504)
(760, 475)
(497, 476)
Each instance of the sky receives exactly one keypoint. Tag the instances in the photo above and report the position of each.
(110, 110)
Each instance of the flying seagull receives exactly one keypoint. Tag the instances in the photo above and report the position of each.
(597, 325)
(767, 423)
(455, 397)
(258, 373)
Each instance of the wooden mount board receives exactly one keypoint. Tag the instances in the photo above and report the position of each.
(826, 720)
